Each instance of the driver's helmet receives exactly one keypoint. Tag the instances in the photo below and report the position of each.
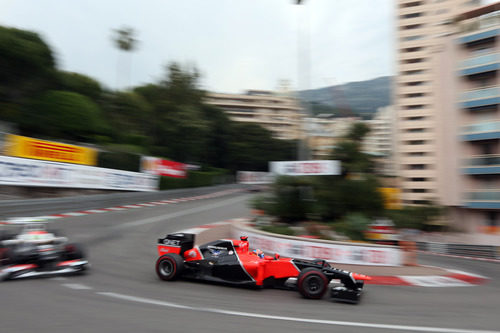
(215, 252)
(259, 253)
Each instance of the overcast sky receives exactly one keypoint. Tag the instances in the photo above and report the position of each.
(236, 44)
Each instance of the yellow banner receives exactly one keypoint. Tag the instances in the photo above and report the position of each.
(391, 197)
(22, 146)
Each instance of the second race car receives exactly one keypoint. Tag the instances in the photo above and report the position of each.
(34, 251)
(231, 261)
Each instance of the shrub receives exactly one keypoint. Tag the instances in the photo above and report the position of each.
(278, 229)
(352, 225)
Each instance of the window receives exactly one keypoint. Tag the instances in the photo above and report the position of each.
(416, 142)
(413, 49)
(417, 166)
(417, 179)
(410, 38)
(417, 154)
(414, 60)
(415, 83)
(420, 202)
(414, 72)
(415, 118)
(414, 95)
(416, 130)
(411, 4)
(412, 15)
(415, 107)
(412, 26)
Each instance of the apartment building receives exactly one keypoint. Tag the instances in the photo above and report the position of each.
(279, 113)
(421, 27)
(380, 141)
(325, 131)
(469, 96)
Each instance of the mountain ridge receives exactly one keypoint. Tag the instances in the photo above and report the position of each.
(361, 98)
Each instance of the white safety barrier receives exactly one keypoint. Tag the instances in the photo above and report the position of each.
(16, 171)
(296, 247)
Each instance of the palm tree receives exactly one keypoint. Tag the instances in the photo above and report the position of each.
(125, 40)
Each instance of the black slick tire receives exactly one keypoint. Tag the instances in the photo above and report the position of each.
(312, 283)
(169, 267)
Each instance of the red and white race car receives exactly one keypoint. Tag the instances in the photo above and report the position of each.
(34, 251)
(231, 261)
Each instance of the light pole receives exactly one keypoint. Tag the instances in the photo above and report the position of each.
(303, 76)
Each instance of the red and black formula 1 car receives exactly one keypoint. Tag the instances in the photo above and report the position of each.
(34, 251)
(231, 261)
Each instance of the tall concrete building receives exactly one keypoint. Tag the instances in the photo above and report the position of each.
(468, 98)
(279, 113)
(421, 27)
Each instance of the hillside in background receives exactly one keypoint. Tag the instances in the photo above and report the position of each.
(354, 98)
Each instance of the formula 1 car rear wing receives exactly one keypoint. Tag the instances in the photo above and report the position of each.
(175, 243)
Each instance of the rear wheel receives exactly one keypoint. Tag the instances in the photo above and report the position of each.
(312, 283)
(169, 266)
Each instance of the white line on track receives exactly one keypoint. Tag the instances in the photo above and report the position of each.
(197, 209)
(77, 286)
(294, 319)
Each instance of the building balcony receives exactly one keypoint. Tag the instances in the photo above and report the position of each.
(480, 98)
(482, 200)
(480, 64)
(482, 165)
(481, 131)
(478, 36)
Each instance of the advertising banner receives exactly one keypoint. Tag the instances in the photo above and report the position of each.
(26, 172)
(338, 253)
(254, 177)
(306, 168)
(161, 167)
(392, 197)
(22, 146)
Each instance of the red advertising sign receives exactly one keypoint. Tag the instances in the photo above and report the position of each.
(161, 167)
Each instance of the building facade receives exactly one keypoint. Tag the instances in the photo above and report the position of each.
(324, 132)
(380, 141)
(279, 113)
(470, 97)
(421, 27)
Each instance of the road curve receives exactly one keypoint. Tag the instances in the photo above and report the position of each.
(121, 293)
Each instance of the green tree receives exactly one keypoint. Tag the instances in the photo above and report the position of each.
(63, 114)
(81, 84)
(27, 68)
(131, 116)
(352, 160)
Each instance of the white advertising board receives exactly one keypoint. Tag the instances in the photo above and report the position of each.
(254, 177)
(338, 253)
(306, 168)
(16, 171)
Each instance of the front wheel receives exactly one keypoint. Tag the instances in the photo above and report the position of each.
(169, 266)
(312, 283)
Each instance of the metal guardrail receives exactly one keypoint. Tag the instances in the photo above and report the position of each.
(463, 250)
(37, 207)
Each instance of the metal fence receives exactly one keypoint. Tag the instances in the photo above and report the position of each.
(462, 250)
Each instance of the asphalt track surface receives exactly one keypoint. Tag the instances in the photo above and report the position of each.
(121, 292)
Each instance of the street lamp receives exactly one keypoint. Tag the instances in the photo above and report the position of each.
(303, 74)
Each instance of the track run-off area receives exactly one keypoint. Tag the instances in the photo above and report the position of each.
(121, 292)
